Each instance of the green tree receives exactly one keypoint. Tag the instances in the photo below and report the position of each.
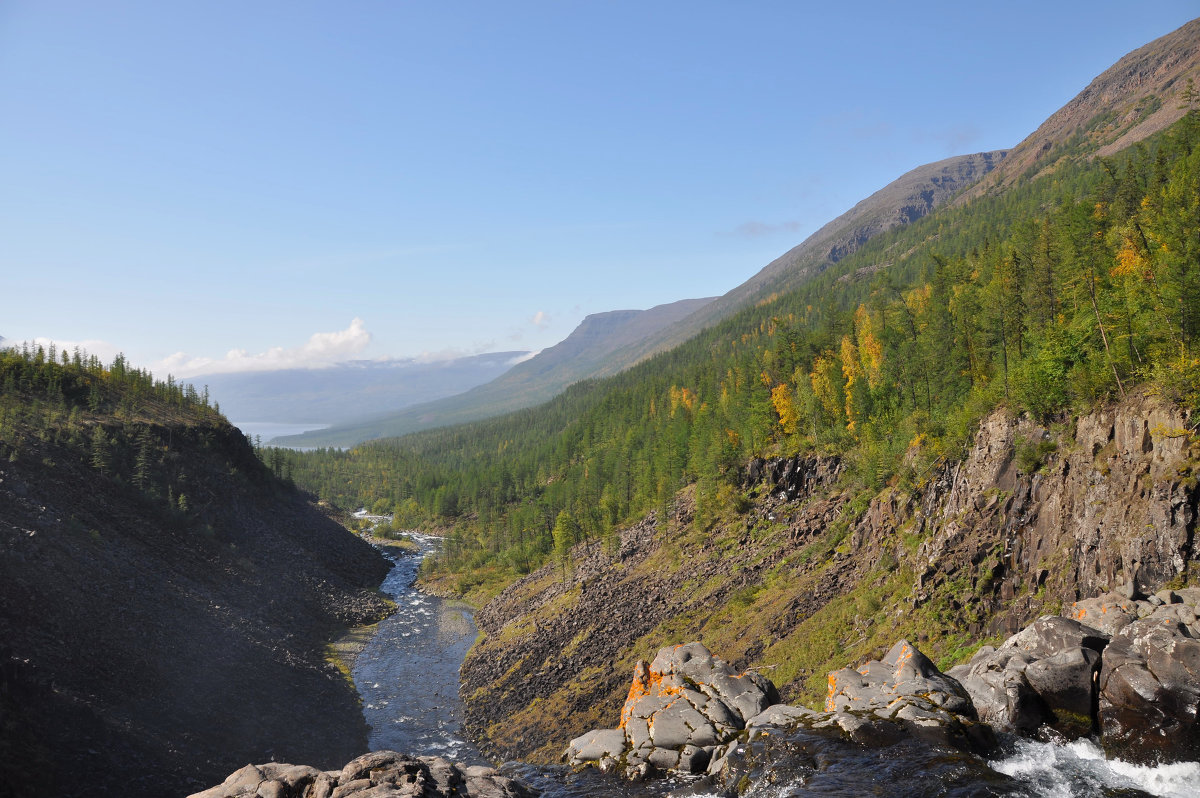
(564, 534)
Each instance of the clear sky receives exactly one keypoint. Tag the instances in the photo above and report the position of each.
(186, 179)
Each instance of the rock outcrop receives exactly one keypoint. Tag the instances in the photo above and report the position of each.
(1133, 678)
(380, 774)
(1044, 675)
(680, 708)
(906, 688)
(687, 711)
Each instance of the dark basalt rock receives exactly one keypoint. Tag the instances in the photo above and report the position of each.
(792, 476)
(380, 774)
(1043, 675)
(1139, 689)
(1150, 691)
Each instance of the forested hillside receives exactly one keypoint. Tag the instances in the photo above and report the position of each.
(1055, 295)
(163, 594)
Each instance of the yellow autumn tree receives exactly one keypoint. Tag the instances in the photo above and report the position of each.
(853, 373)
(870, 349)
(825, 384)
(785, 407)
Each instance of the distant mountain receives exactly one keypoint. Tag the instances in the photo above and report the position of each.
(348, 390)
(903, 201)
(582, 354)
(1134, 98)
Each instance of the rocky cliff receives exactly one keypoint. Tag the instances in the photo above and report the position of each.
(812, 575)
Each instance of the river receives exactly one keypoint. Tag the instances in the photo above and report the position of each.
(407, 676)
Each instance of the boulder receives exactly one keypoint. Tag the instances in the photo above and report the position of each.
(905, 688)
(1051, 634)
(1046, 674)
(1002, 696)
(378, 774)
(1150, 691)
(1066, 681)
(681, 707)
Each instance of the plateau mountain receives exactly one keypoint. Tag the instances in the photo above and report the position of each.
(349, 390)
(580, 355)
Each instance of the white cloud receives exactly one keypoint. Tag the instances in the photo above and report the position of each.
(524, 357)
(540, 319)
(321, 350)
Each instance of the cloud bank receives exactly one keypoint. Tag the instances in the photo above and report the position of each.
(322, 350)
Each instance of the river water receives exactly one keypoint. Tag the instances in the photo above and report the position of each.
(407, 676)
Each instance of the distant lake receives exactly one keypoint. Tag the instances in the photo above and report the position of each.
(274, 429)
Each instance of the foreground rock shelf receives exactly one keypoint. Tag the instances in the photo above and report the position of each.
(1132, 679)
(382, 774)
(1123, 667)
(688, 711)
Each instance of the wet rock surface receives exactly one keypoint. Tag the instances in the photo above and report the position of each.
(380, 774)
(1133, 679)
(1150, 681)
(1045, 674)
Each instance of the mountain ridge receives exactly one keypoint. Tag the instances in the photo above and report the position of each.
(349, 390)
(528, 383)
(1133, 99)
(909, 197)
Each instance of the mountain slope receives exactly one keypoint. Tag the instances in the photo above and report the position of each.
(1059, 293)
(792, 588)
(166, 600)
(349, 390)
(1133, 99)
(602, 347)
(903, 201)
(578, 356)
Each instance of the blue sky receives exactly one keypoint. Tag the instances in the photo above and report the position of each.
(186, 179)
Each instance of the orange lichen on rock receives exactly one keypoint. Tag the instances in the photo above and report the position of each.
(832, 692)
(646, 682)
